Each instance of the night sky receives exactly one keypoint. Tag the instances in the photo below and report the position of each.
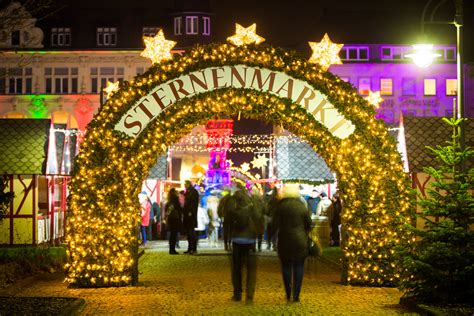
(291, 24)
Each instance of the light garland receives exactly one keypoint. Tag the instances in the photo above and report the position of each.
(202, 149)
(110, 168)
(241, 139)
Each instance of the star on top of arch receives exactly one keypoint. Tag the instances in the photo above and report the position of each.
(374, 98)
(245, 35)
(111, 88)
(157, 48)
(325, 53)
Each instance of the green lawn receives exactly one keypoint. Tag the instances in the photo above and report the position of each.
(333, 254)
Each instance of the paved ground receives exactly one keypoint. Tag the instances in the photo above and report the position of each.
(200, 285)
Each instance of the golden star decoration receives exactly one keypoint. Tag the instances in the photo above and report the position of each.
(111, 88)
(157, 48)
(325, 53)
(245, 35)
(260, 161)
(374, 98)
(245, 167)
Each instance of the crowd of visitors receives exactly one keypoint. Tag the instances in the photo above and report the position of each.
(281, 217)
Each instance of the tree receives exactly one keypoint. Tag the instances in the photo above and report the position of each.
(439, 263)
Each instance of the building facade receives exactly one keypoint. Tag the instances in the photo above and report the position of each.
(57, 68)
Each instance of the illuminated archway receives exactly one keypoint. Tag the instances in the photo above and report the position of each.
(140, 120)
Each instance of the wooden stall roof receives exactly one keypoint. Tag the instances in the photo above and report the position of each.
(298, 161)
(430, 131)
(23, 145)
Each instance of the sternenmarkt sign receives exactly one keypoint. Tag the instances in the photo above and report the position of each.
(238, 76)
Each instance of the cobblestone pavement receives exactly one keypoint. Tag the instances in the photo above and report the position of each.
(200, 285)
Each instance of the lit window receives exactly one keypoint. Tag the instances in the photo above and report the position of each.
(177, 26)
(206, 26)
(451, 86)
(429, 86)
(60, 36)
(354, 53)
(106, 36)
(364, 86)
(191, 25)
(150, 31)
(386, 86)
(408, 86)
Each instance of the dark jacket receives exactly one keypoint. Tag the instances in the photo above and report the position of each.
(190, 209)
(260, 210)
(293, 222)
(173, 215)
(242, 216)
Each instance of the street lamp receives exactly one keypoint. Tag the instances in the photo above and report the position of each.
(423, 55)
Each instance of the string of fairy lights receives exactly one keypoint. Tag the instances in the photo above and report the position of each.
(111, 166)
(239, 143)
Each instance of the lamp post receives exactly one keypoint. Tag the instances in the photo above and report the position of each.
(423, 55)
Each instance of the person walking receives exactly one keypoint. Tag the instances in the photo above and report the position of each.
(242, 222)
(335, 220)
(214, 222)
(149, 234)
(145, 207)
(259, 206)
(173, 219)
(293, 223)
(222, 209)
(191, 204)
(313, 201)
(323, 205)
(272, 201)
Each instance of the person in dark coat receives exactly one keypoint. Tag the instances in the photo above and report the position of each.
(173, 219)
(221, 212)
(335, 219)
(243, 221)
(191, 204)
(293, 222)
(272, 202)
(259, 205)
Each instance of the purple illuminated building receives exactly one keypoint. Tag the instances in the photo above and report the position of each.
(404, 87)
